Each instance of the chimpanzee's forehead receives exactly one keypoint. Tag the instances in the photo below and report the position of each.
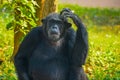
(54, 16)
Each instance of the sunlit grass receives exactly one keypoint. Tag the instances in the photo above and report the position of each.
(103, 61)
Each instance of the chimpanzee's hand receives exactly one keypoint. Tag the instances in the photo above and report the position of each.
(65, 10)
(67, 13)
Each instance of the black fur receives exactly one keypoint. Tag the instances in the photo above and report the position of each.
(39, 58)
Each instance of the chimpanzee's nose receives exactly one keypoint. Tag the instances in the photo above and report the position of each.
(54, 27)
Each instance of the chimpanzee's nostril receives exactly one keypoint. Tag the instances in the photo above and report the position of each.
(54, 27)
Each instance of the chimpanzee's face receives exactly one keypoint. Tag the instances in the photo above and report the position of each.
(54, 26)
(54, 29)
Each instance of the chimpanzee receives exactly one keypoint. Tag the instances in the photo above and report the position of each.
(53, 51)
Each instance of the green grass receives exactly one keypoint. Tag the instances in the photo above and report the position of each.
(103, 62)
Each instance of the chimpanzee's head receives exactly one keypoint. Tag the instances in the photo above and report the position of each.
(55, 26)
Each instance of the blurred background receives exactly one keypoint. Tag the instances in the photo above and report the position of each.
(94, 3)
(102, 20)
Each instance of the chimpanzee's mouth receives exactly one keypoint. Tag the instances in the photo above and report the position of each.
(54, 33)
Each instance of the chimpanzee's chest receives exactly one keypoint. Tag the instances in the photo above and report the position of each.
(49, 62)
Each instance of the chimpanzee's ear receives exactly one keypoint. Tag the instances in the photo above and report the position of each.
(43, 20)
(44, 23)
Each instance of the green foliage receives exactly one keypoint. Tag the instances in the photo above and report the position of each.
(6, 47)
(21, 13)
(104, 53)
(6, 13)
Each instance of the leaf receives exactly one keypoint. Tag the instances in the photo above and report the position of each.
(9, 26)
(31, 7)
(35, 3)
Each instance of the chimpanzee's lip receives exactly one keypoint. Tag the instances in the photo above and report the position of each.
(54, 33)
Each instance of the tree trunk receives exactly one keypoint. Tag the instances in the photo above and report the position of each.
(17, 38)
(45, 7)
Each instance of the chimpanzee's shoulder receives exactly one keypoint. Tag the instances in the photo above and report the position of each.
(37, 29)
(35, 32)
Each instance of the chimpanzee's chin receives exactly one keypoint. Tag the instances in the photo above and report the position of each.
(54, 38)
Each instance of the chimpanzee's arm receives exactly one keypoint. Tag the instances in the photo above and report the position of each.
(80, 49)
(80, 43)
(25, 51)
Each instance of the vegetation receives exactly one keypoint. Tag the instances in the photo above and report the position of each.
(103, 26)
